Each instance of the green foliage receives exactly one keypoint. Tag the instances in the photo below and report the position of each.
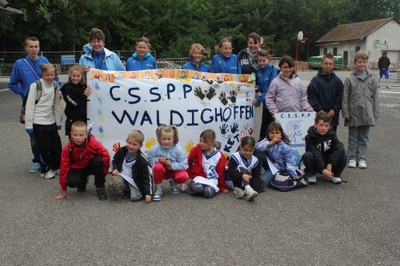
(173, 25)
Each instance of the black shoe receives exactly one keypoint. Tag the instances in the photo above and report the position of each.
(101, 193)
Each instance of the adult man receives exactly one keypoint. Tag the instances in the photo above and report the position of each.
(26, 71)
(97, 56)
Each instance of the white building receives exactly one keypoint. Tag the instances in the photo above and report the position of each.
(372, 37)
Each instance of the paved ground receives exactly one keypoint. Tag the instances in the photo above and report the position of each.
(357, 223)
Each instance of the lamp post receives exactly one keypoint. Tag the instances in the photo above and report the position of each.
(300, 38)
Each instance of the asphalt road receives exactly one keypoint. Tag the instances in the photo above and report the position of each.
(357, 223)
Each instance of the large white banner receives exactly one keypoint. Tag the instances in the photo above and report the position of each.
(193, 101)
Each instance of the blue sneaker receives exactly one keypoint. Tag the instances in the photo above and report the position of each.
(35, 168)
(174, 187)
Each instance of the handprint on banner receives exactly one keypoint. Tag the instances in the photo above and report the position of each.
(116, 146)
(211, 93)
(150, 143)
(234, 127)
(224, 129)
(232, 97)
(189, 146)
(229, 145)
(199, 93)
(222, 97)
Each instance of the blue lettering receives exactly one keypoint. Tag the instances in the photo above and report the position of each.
(172, 118)
(112, 94)
(146, 117)
(158, 95)
(130, 92)
(170, 88)
(210, 118)
(192, 123)
(125, 114)
(226, 116)
(186, 89)
(218, 114)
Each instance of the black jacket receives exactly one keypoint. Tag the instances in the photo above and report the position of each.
(75, 108)
(140, 170)
(247, 65)
(327, 149)
(384, 63)
(325, 93)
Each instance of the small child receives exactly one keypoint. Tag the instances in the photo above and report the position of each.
(264, 76)
(287, 93)
(75, 94)
(141, 59)
(206, 167)
(131, 167)
(43, 120)
(360, 109)
(224, 61)
(168, 160)
(244, 169)
(277, 149)
(83, 156)
(324, 152)
(196, 54)
(325, 90)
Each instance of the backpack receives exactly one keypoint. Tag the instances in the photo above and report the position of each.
(39, 88)
(284, 182)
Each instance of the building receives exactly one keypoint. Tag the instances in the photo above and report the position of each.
(372, 36)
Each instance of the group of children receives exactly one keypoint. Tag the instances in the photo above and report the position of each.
(205, 169)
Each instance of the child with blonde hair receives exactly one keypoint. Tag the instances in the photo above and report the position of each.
(224, 61)
(196, 54)
(360, 109)
(168, 160)
(206, 167)
(75, 93)
(131, 171)
(43, 120)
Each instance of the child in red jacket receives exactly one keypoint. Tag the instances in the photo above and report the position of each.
(83, 156)
(206, 167)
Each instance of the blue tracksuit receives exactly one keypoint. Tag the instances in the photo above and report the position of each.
(135, 63)
(263, 80)
(191, 66)
(222, 64)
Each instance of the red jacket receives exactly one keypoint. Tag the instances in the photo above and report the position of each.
(195, 160)
(81, 157)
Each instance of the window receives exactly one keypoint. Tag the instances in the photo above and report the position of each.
(358, 48)
(325, 50)
(334, 50)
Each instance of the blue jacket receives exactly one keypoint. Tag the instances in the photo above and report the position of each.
(191, 66)
(135, 63)
(222, 64)
(280, 154)
(325, 93)
(111, 60)
(175, 153)
(22, 75)
(263, 80)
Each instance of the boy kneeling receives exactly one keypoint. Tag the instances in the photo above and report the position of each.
(83, 156)
(324, 152)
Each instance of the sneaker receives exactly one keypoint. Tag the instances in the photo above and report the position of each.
(362, 164)
(312, 179)
(56, 172)
(174, 187)
(35, 168)
(49, 174)
(157, 196)
(352, 164)
(251, 194)
(336, 180)
(238, 193)
(101, 193)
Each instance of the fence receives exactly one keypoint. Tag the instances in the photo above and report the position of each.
(65, 58)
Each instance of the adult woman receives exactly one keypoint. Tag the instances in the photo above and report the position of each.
(97, 56)
(248, 56)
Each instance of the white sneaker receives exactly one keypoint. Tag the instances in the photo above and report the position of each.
(336, 180)
(312, 179)
(362, 164)
(238, 192)
(49, 174)
(157, 196)
(251, 194)
(174, 187)
(352, 164)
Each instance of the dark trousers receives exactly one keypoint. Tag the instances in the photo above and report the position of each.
(309, 162)
(265, 121)
(78, 177)
(49, 144)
